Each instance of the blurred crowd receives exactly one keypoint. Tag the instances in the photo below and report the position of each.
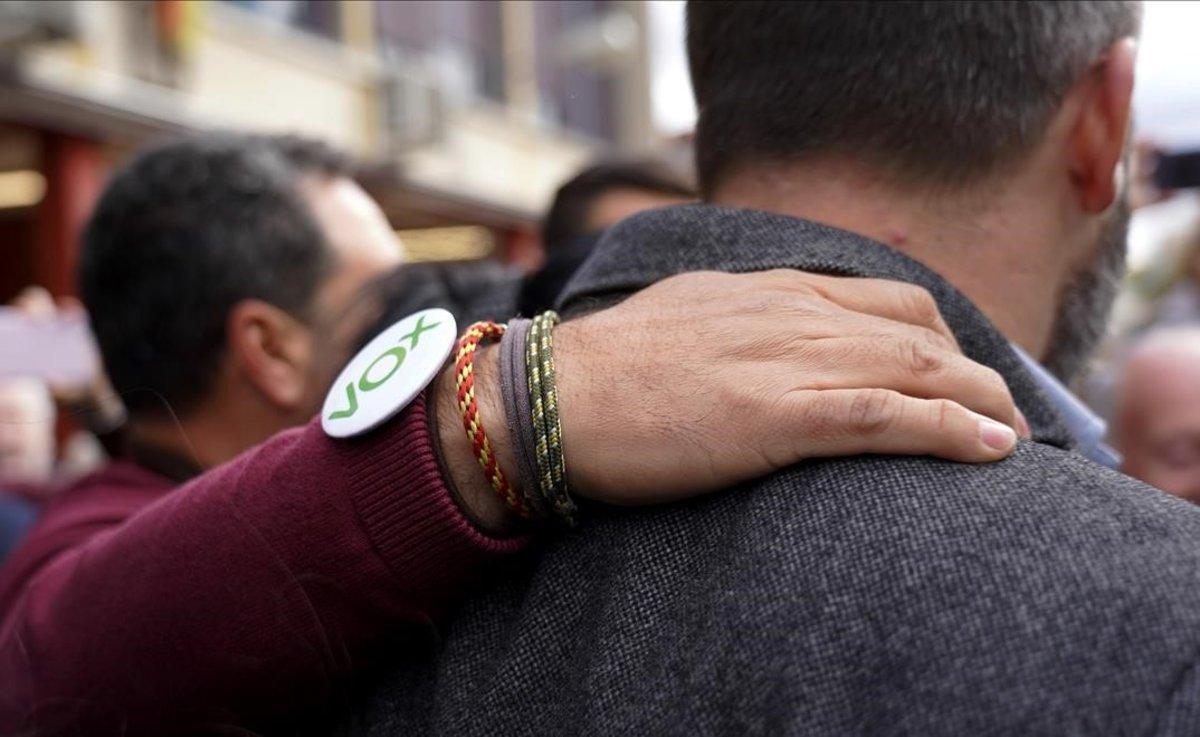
(1145, 381)
(39, 453)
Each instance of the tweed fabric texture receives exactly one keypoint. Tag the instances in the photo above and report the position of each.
(1042, 595)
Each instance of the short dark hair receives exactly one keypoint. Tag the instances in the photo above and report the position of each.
(569, 212)
(183, 233)
(931, 91)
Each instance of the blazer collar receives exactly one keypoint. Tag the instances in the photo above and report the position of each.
(655, 245)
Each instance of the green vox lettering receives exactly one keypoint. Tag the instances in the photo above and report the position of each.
(364, 381)
(416, 333)
(366, 384)
(349, 411)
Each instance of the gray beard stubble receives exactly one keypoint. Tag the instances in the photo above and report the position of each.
(1086, 300)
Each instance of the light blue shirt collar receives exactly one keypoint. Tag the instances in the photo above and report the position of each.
(1084, 425)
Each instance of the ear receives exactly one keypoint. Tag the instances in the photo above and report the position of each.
(1101, 130)
(272, 350)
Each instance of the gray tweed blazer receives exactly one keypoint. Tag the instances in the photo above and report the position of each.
(1043, 595)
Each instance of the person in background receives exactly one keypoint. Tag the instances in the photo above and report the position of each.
(27, 416)
(1162, 291)
(238, 565)
(1157, 419)
(92, 404)
(26, 455)
(203, 269)
(586, 205)
(32, 466)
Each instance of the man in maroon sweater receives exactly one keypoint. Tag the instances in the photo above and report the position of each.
(248, 595)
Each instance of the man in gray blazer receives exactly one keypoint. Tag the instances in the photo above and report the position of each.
(976, 149)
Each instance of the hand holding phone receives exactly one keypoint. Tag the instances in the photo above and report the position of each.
(57, 349)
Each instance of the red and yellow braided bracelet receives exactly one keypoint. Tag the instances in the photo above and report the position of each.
(468, 408)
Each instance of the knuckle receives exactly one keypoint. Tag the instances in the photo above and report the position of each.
(721, 279)
(920, 357)
(873, 411)
(983, 382)
(779, 304)
(996, 389)
(742, 401)
(809, 307)
(693, 281)
(796, 281)
(939, 341)
(919, 302)
(818, 413)
(780, 274)
(764, 301)
(996, 382)
(738, 402)
(943, 414)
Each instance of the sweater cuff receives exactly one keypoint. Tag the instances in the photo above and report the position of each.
(408, 511)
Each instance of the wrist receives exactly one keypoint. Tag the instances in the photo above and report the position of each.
(581, 398)
(471, 488)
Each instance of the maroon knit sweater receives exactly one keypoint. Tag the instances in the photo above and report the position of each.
(241, 598)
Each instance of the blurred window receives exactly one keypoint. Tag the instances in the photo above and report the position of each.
(461, 43)
(319, 17)
(578, 94)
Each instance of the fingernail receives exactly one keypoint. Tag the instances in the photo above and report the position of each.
(1023, 425)
(997, 436)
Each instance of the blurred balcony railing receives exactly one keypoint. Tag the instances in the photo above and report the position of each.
(485, 105)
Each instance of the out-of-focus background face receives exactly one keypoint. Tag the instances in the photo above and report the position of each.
(1157, 418)
(465, 116)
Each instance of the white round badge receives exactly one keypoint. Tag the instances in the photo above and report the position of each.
(388, 373)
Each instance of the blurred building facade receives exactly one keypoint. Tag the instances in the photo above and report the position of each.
(466, 115)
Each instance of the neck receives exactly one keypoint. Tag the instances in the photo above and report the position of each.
(220, 429)
(999, 245)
